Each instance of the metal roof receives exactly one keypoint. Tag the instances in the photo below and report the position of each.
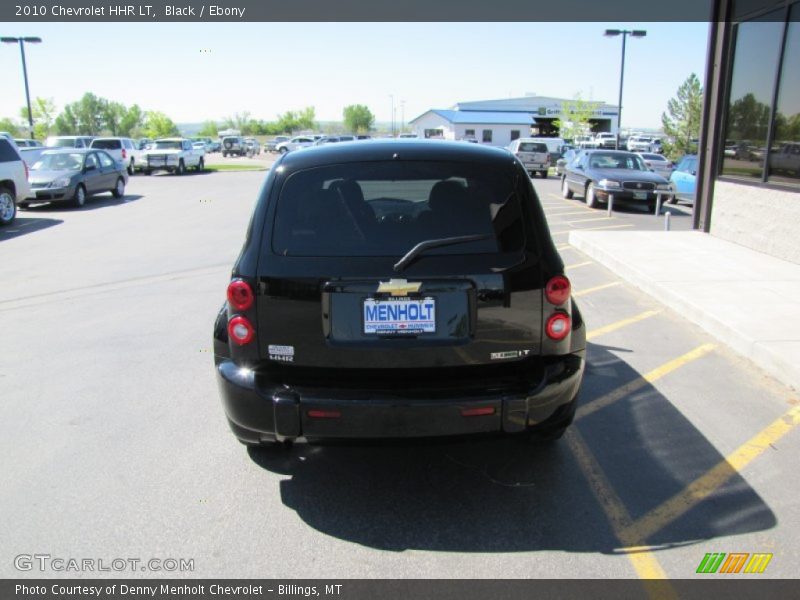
(481, 117)
(525, 104)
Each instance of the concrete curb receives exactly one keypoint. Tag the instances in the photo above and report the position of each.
(774, 356)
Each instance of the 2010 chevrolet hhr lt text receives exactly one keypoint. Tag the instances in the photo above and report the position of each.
(398, 289)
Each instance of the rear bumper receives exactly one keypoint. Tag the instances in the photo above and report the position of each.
(261, 411)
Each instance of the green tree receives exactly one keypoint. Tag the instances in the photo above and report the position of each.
(748, 119)
(131, 121)
(358, 118)
(8, 125)
(575, 115)
(90, 112)
(43, 111)
(159, 125)
(67, 122)
(113, 113)
(209, 129)
(681, 121)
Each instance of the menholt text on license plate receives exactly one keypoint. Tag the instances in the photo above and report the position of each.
(400, 316)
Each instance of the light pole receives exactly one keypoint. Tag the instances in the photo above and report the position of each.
(624, 33)
(392, 114)
(402, 116)
(21, 41)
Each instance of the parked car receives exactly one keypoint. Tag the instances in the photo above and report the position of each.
(584, 141)
(234, 145)
(554, 146)
(75, 174)
(658, 163)
(569, 156)
(69, 141)
(300, 141)
(599, 173)
(175, 155)
(271, 145)
(532, 154)
(605, 140)
(25, 143)
(384, 298)
(347, 138)
(14, 187)
(684, 180)
(328, 139)
(639, 143)
(786, 158)
(363, 137)
(253, 146)
(122, 149)
(408, 135)
(143, 143)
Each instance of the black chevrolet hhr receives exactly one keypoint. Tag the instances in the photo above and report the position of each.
(398, 289)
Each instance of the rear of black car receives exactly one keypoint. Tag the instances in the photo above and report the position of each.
(398, 290)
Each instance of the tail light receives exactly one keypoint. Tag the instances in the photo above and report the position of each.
(240, 330)
(557, 290)
(240, 295)
(547, 158)
(124, 154)
(27, 172)
(558, 326)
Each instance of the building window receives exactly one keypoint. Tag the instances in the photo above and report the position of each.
(514, 134)
(755, 58)
(434, 133)
(487, 135)
(783, 165)
(469, 133)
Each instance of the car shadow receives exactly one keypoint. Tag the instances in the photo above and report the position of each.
(25, 225)
(506, 494)
(92, 203)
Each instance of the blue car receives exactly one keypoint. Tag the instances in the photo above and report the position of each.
(684, 179)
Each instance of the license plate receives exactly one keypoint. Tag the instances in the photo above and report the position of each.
(400, 316)
(640, 195)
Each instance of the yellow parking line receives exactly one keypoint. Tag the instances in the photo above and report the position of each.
(550, 213)
(592, 219)
(565, 247)
(646, 379)
(592, 228)
(644, 562)
(620, 324)
(596, 288)
(702, 487)
(577, 265)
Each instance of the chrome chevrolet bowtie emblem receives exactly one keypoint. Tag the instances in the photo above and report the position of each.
(399, 287)
(639, 185)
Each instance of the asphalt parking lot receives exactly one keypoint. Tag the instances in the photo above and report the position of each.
(115, 444)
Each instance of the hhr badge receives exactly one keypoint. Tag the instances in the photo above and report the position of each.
(399, 287)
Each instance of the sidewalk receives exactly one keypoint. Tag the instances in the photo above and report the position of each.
(748, 300)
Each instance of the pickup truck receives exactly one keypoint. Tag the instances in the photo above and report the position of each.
(532, 154)
(605, 140)
(172, 154)
(786, 158)
(14, 185)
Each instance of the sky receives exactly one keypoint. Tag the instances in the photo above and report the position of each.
(199, 71)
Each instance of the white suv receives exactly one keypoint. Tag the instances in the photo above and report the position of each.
(122, 149)
(301, 141)
(14, 185)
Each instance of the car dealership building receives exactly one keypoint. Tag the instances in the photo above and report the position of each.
(499, 122)
(749, 161)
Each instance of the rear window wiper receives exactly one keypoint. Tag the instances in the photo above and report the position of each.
(428, 244)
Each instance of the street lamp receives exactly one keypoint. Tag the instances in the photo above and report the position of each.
(624, 33)
(402, 116)
(21, 41)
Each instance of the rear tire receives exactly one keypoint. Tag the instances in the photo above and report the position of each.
(131, 170)
(565, 191)
(119, 188)
(283, 150)
(201, 166)
(591, 199)
(543, 174)
(79, 198)
(554, 427)
(181, 168)
(8, 206)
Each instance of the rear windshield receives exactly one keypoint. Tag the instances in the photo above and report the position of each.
(532, 147)
(107, 144)
(7, 152)
(168, 145)
(62, 142)
(386, 208)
